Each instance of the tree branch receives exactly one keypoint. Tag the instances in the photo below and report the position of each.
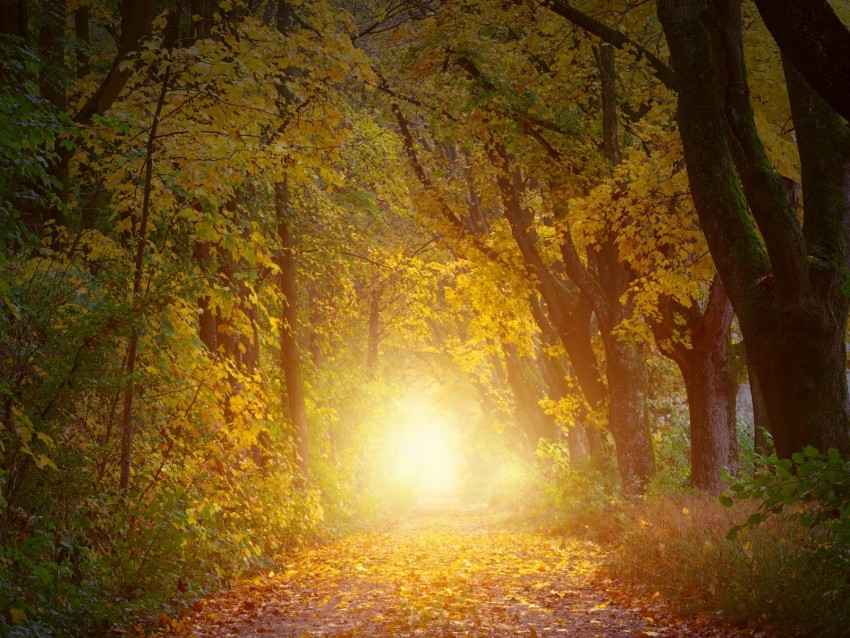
(428, 185)
(605, 33)
(816, 42)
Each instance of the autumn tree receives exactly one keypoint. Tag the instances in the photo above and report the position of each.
(782, 275)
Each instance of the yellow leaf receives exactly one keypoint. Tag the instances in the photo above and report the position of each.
(41, 461)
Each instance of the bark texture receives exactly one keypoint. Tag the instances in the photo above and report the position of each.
(787, 291)
(707, 366)
(816, 42)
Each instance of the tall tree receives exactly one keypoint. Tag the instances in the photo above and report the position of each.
(605, 286)
(783, 278)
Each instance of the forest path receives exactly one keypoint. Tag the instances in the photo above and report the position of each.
(435, 572)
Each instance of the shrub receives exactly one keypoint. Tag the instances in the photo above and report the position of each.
(811, 488)
(677, 545)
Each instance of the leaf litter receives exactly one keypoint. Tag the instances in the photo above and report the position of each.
(442, 573)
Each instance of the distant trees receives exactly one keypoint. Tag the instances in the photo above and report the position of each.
(783, 277)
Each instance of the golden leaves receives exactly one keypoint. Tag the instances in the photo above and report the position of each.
(449, 571)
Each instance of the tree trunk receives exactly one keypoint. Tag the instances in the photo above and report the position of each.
(374, 332)
(605, 288)
(818, 43)
(535, 423)
(555, 373)
(789, 304)
(707, 366)
(289, 356)
(570, 312)
(136, 22)
(83, 35)
(51, 37)
(141, 236)
(206, 317)
(710, 385)
(803, 379)
(627, 379)
(760, 422)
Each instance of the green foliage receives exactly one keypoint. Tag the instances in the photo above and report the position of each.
(31, 131)
(812, 488)
(567, 496)
(672, 448)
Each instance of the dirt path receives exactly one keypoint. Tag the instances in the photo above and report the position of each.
(438, 573)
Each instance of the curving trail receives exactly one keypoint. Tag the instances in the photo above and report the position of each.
(434, 573)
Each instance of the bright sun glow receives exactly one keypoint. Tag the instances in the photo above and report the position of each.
(427, 453)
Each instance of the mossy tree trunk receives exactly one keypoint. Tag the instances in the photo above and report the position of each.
(785, 280)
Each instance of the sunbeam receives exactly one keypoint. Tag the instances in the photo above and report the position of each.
(427, 452)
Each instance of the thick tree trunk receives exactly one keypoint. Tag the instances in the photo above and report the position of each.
(818, 348)
(707, 366)
(627, 379)
(791, 313)
(710, 384)
(803, 380)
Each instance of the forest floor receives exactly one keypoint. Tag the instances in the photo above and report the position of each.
(439, 572)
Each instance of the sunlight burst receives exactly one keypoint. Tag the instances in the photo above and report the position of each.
(428, 454)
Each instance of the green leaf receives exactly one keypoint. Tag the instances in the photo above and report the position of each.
(755, 519)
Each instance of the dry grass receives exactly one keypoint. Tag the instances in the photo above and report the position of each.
(675, 545)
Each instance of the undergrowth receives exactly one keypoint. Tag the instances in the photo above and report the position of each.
(676, 542)
(770, 576)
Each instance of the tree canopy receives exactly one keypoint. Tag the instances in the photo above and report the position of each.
(252, 247)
